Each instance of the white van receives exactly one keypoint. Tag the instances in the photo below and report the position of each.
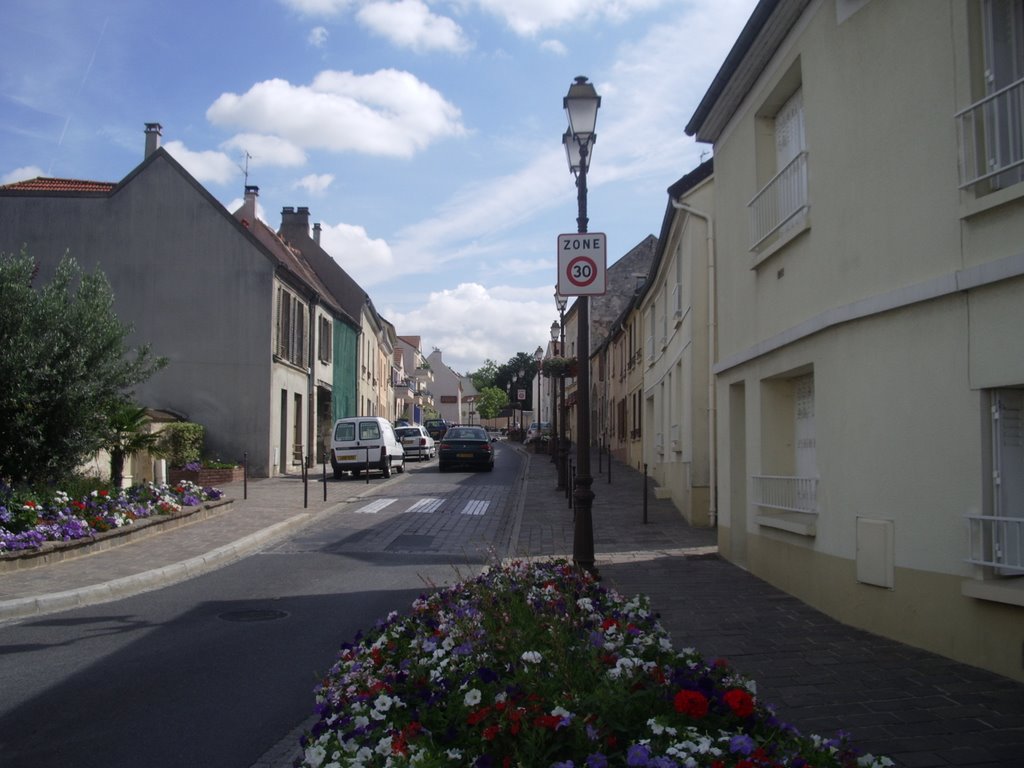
(362, 443)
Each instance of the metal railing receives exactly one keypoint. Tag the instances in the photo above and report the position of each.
(996, 541)
(779, 201)
(991, 132)
(793, 494)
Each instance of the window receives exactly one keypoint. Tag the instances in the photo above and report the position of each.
(778, 212)
(998, 539)
(324, 341)
(291, 328)
(992, 128)
(787, 491)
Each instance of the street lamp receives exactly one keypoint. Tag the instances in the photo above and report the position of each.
(563, 448)
(581, 104)
(553, 439)
(538, 357)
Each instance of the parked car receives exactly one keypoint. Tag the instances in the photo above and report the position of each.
(538, 431)
(362, 443)
(436, 427)
(417, 442)
(465, 446)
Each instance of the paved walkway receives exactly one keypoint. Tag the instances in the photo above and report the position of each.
(918, 708)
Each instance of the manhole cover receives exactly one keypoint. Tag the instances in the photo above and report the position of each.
(252, 615)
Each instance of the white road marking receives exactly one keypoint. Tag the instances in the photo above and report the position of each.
(374, 507)
(426, 506)
(475, 507)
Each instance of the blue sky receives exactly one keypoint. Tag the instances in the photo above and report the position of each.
(424, 135)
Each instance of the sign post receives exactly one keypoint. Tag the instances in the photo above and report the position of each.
(582, 264)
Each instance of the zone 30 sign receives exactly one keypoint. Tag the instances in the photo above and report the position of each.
(582, 263)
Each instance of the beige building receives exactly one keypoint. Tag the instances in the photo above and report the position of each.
(677, 310)
(870, 271)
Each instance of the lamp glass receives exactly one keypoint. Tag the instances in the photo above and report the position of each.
(581, 105)
(554, 330)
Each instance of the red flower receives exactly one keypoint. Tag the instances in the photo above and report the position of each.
(548, 721)
(609, 622)
(476, 717)
(691, 703)
(740, 702)
(491, 732)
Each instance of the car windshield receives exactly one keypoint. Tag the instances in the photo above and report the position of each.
(465, 433)
(407, 432)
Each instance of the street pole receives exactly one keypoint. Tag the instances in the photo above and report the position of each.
(581, 105)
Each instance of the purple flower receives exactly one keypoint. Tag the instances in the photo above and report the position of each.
(597, 760)
(638, 755)
(741, 744)
(565, 764)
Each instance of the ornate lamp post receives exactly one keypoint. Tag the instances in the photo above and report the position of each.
(581, 104)
(563, 448)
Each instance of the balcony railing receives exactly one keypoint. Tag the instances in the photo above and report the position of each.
(778, 202)
(792, 494)
(996, 541)
(992, 137)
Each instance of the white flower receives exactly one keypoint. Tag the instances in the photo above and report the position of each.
(315, 755)
(531, 657)
(585, 604)
(472, 698)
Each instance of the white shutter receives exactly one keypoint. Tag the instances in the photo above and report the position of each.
(1008, 445)
(789, 131)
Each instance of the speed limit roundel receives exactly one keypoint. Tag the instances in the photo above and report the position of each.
(582, 260)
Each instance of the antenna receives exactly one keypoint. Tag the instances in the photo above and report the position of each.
(245, 168)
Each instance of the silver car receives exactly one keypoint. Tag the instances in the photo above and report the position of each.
(418, 444)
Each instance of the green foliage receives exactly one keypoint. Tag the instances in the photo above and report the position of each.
(127, 435)
(182, 442)
(485, 376)
(490, 402)
(63, 365)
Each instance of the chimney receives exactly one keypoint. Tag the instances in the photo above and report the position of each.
(249, 206)
(316, 233)
(153, 131)
(294, 224)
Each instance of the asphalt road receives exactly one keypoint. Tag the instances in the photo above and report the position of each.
(216, 670)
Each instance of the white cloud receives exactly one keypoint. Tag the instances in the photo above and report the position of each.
(389, 112)
(556, 47)
(206, 166)
(21, 174)
(318, 36)
(528, 17)
(266, 151)
(471, 323)
(366, 259)
(410, 24)
(315, 184)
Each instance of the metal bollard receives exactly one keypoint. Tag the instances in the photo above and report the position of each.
(324, 481)
(245, 475)
(305, 484)
(609, 467)
(645, 494)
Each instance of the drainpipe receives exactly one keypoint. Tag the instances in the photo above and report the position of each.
(712, 346)
(311, 385)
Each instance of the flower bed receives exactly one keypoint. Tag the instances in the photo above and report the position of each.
(26, 522)
(537, 665)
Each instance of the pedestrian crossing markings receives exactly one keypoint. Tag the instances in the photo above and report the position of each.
(475, 507)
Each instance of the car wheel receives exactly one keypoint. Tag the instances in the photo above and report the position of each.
(442, 467)
(490, 467)
(401, 467)
(338, 474)
(386, 468)
(355, 472)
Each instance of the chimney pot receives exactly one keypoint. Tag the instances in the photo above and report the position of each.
(153, 133)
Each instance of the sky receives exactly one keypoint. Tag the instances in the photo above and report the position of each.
(425, 136)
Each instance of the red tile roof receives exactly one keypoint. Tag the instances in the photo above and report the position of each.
(43, 184)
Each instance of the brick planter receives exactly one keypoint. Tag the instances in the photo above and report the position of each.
(206, 477)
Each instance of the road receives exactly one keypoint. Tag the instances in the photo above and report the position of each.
(216, 670)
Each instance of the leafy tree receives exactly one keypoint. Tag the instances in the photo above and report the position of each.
(63, 364)
(127, 435)
(490, 402)
(484, 376)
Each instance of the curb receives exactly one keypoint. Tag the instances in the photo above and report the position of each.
(128, 586)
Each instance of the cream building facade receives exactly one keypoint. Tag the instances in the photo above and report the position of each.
(869, 211)
(677, 309)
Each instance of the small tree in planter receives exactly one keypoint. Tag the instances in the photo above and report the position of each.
(128, 434)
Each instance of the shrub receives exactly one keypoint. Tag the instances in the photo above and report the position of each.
(182, 442)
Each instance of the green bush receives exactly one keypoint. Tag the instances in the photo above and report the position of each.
(182, 442)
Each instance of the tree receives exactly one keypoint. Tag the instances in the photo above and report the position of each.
(63, 364)
(484, 377)
(127, 435)
(490, 401)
